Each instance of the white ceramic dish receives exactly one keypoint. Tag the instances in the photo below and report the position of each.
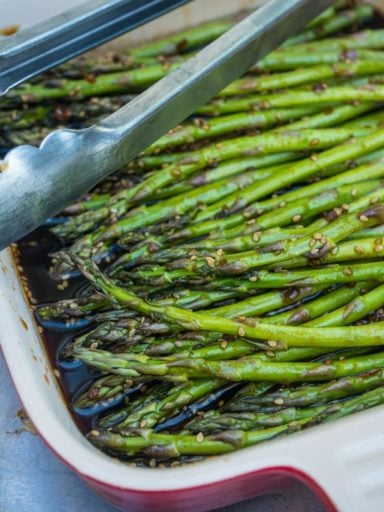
(343, 462)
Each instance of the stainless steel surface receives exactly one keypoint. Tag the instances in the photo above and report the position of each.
(40, 47)
(37, 183)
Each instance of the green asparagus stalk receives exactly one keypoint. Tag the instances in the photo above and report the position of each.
(266, 143)
(312, 246)
(249, 368)
(340, 337)
(294, 98)
(320, 393)
(201, 129)
(183, 41)
(285, 59)
(213, 422)
(298, 77)
(156, 410)
(293, 173)
(173, 445)
(358, 308)
(340, 21)
(294, 212)
(146, 215)
(325, 16)
(104, 392)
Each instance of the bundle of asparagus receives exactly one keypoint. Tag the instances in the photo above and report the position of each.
(242, 293)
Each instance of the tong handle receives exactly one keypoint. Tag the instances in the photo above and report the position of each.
(42, 46)
(70, 162)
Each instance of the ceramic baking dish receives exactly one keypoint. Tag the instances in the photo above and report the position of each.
(342, 462)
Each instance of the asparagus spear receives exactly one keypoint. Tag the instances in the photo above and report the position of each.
(173, 445)
(302, 76)
(319, 393)
(266, 143)
(358, 308)
(301, 210)
(340, 21)
(249, 368)
(285, 59)
(201, 129)
(259, 305)
(183, 41)
(154, 411)
(294, 173)
(292, 336)
(105, 392)
(244, 224)
(313, 246)
(264, 279)
(294, 98)
(145, 215)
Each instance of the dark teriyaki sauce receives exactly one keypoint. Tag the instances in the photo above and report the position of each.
(35, 261)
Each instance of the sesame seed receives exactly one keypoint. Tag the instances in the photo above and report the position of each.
(253, 278)
(211, 261)
(152, 463)
(297, 218)
(95, 433)
(378, 248)
(279, 401)
(358, 249)
(224, 344)
(200, 437)
(143, 423)
(347, 271)
(363, 218)
(272, 343)
(241, 331)
(256, 237)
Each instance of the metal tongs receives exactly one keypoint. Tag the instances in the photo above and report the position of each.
(37, 183)
(72, 33)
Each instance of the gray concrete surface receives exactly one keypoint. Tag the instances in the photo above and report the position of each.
(33, 480)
